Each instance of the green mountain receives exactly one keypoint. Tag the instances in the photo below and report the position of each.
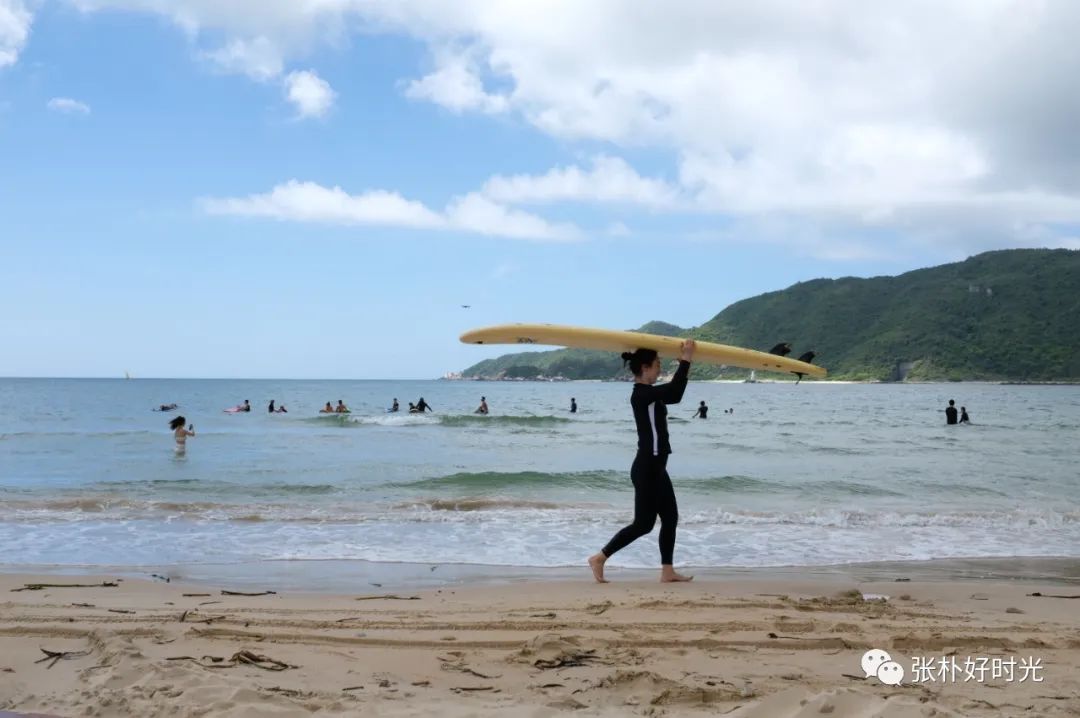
(1005, 315)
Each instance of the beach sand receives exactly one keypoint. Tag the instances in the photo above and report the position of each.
(748, 647)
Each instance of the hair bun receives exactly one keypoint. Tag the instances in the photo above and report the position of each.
(627, 356)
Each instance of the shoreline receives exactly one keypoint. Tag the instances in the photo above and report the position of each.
(745, 647)
(340, 575)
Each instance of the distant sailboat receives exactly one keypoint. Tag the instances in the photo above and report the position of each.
(127, 375)
(752, 379)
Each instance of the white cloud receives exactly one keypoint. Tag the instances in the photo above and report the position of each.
(257, 58)
(611, 179)
(15, 22)
(311, 94)
(68, 106)
(456, 85)
(477, 213)
(311, 202)
(912, 117)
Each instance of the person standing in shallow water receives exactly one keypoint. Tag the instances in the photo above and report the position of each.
(653, 493)
(950, 412)
(181, 434)
(702, 412)
(573, 405)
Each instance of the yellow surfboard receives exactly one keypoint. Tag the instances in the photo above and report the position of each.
(618, 341)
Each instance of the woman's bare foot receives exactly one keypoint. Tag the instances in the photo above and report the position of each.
(668, 575)
(596, 563)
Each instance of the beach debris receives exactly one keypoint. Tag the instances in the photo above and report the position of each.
(1010, 609)
(551, 650)
(901, 580)
(7, 670)
(456, 662)
(420, 684)
(470, 689)
(290, 692)
(388, 597)
(209, 619)
(162, 578)
(542, 615)
(209, 603)
(41, 586)
(83, 605)
(1052, 595)
(241, 593)
(658, 690)
(119, 610)
(353, 688)
(196, 595)
(55, 656)
(598, 608)
(244, 657)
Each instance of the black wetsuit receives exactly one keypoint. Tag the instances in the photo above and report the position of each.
(950, 415)
(423, 406)
(271, 407)
(703, 412)
(573, 407)
(653, 493)
(964, 419)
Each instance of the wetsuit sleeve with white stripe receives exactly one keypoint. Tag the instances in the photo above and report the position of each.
(670, 393)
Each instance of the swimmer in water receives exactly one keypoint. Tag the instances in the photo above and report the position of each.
(328, 409)
(341, 408)
(483, 408)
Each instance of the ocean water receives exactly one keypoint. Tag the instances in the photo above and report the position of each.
(807, 475)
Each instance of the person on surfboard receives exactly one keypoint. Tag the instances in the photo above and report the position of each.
(653, 493)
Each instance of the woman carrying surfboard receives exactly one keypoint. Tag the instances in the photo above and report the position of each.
(653, 493)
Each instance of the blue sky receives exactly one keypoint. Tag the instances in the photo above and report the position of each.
(282, 189)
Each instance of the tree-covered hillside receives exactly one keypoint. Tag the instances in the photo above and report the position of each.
(1005, 315)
